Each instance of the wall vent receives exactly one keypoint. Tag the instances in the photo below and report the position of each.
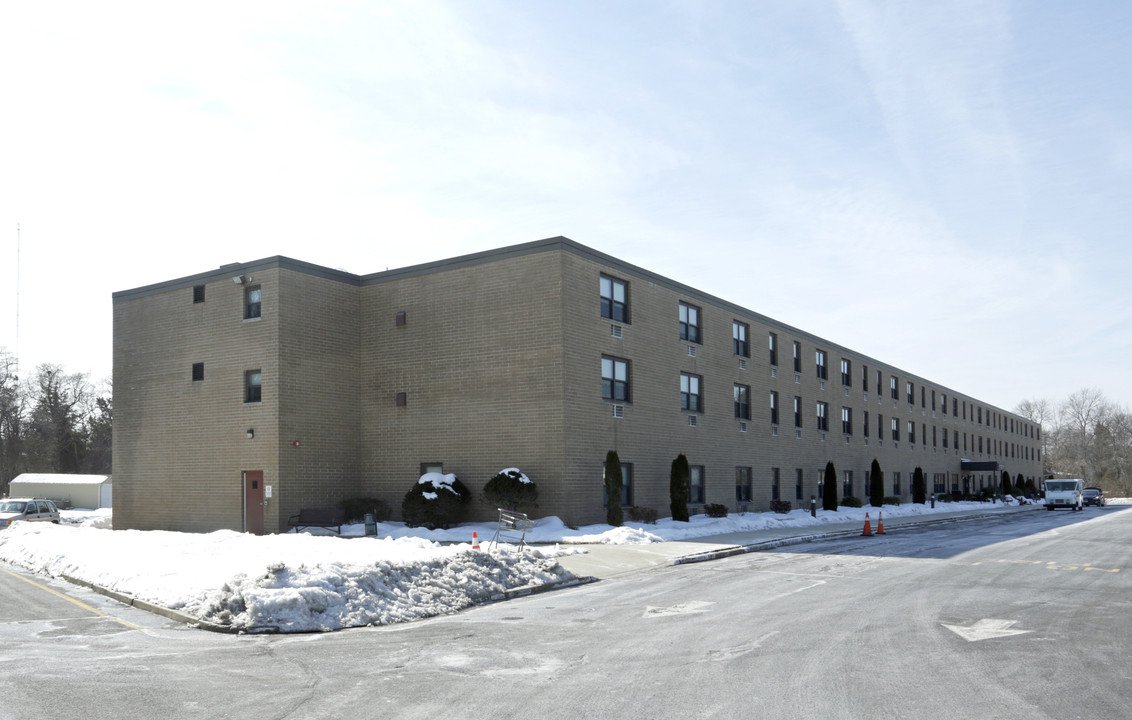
(618, 411)
(742, 427)
(691, 421)
(616, 331)
(742, 363)
(691, 351)
(798, 434)
(797, 378)
(774, 430)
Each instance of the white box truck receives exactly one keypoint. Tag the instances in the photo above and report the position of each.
(1064, 494)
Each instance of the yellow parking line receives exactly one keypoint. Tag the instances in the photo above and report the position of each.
(83, 605)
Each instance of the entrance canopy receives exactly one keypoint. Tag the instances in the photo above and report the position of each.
(975, 466)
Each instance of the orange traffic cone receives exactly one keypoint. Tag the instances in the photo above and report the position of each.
(880, 522)
(475, 541)
(868, 527)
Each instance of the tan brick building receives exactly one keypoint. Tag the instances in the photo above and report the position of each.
(246, 393)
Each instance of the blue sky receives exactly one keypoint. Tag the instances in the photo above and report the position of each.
(942, 186)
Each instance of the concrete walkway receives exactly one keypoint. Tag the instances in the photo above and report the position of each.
(603, 561)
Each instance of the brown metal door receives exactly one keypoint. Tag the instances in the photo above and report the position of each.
(253, 501)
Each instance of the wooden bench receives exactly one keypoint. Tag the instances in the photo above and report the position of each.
(309, 517)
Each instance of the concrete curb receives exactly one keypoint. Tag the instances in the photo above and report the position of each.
(151, 608)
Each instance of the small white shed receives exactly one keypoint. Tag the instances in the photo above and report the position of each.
(78, 491)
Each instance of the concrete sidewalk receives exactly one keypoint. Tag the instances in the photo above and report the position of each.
(603, 561)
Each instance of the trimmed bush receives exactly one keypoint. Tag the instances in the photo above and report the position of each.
(781, 506)
(435, 501)
(829, 488)
(890, 500)
(679, 488)
(613, 479)
(945, 497)
(919, 487)
(715, 510)
(852, 502)
(1007, 486)
(511, 490)
(642, 514)
(986, 494)
(876, 485)
(356, 509)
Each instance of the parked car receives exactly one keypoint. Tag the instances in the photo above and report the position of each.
(31, 509)
(1093, 496)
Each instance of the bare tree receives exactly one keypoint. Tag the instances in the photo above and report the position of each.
(12, 411)
(1040, 412)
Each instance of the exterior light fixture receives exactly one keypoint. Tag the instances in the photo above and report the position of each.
(251, 433)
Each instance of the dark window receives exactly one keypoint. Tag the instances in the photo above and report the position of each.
(773, 407)
(739, 335)
(615, 379)
(911, 432)
(742, 484)
(893, 383)
(865, 378)
(797, 357)
(819, 364)
(797, 411)
(691, 397)
(252, 299)
(696, 484)
(823, 416)
(614, 299)
(773, 349)
(198, 371)
(400, 318)
(847, 485)
(846, 373)
(847, 421)
(198, 293)
(690, 323)
(865, 424)
(775, 481)
(911, 392)
(253, 386)
(798, 484)
(743, 402)
(895, 430)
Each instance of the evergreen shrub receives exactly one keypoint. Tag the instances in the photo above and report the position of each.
(356, 509)
(715, 510)
(679, 488)
(781, 506)
(852, 502)
(435, 501)
(643, 514)
(510, 489)
(613, 483)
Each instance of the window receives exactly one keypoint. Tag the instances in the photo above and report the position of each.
(943, 403)
(797, 411)
(797, 357)
(847, 421)
(933, 401)
(689, 323)
(923, 397)
(896, 483)
(690, 397)
(739, 334)
(253, 386)
(775, 479)
(252, 299)
(933, 435)
(865, 424)
(614, 299)
(911, 432)
(798, 484)
(696, 484)
(945, 438)
(880, 426)
(819, 364)
(742, 484)
(955, 407)
(773, 407)
(198, 371)
(892, 385)
(846, 373)
(743, 402)
(911, 388)
(773, 339)
(895, 430)
(198, 293)
(823, 416)
(865, 378)
(847, 484)
(615, 379)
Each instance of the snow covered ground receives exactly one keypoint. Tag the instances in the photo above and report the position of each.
(303, 582)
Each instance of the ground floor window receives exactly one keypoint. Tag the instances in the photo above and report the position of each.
(626, 485)
(742, 484)
(847, 485)
(696, 482)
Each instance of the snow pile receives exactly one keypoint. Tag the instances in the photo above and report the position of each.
(293, 583)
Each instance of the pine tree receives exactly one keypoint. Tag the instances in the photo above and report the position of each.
(919, 487)
(829, 488)
(613, 514)
(876, 485)
(1007, 488)
(679, 488)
